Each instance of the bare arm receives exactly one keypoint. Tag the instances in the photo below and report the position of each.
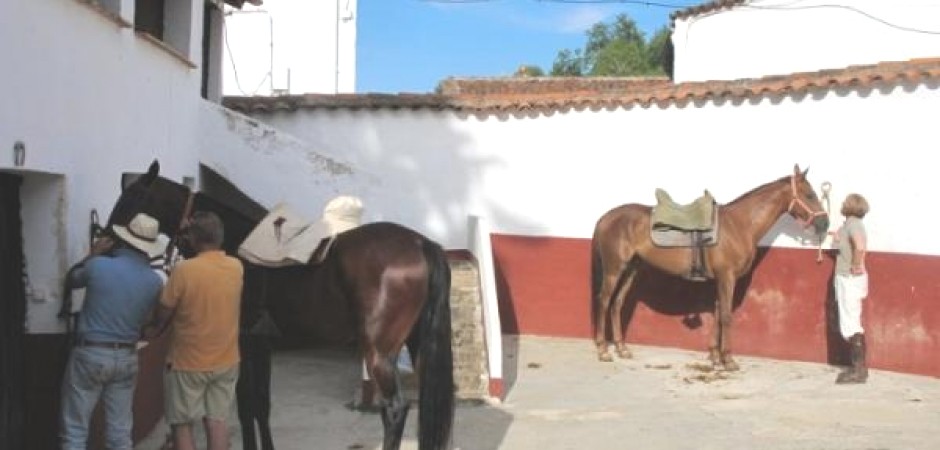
(859, 248)
(77, 277)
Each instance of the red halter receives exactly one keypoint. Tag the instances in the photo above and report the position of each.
(798, 201)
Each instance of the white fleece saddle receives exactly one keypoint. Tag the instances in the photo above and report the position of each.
(284, 238)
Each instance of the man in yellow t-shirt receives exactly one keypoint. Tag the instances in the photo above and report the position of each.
(202, 301)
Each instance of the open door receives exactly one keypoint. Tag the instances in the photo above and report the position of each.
(12, 315)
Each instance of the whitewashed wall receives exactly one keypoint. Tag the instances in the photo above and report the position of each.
(92, 99)
(272, 166)
(774, 37)
(292, 46)
(555, 175)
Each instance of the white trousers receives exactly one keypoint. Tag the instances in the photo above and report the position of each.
(850, 291)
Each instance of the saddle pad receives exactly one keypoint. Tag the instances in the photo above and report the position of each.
(672, 237)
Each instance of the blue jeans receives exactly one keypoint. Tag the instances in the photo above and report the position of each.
(92, 372)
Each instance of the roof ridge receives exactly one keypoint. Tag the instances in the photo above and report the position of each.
(507, 94)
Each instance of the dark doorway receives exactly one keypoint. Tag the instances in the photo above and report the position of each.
(12, 315)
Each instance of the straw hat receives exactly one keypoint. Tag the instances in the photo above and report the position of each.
(143, 233)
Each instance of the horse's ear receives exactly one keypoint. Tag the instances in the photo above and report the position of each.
(152, 173)
(798, 173)
(154, 169)
(146, 179)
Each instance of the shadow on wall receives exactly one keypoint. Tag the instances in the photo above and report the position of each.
(429, 181)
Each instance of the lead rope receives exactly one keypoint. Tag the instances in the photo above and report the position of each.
(95, 230)
(825, 188)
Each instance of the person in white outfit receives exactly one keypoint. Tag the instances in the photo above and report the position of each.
(851, 284)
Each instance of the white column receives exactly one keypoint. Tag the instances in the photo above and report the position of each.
(482, 249)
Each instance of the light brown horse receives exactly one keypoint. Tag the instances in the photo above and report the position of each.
(622, 242)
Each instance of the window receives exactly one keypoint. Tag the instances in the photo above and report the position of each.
(148, 17)
(111, 6)
(169, 23)
(109, 9)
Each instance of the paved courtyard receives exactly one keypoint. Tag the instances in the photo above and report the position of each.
(561, 397)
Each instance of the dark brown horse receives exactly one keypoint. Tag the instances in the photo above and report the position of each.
(622, 241)
(394, 281)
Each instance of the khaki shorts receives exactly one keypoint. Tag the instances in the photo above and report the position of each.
(190, 396)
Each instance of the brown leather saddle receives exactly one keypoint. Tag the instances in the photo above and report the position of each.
(693, 225)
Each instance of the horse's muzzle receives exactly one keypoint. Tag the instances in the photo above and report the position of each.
(821, 225)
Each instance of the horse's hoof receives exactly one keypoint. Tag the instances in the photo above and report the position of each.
(624, 353)
(605, 357)
(714, 357)
(367, 408)
(730, 365)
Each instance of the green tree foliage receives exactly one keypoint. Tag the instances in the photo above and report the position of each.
(619, 49)
(568, 63)
(529, 70)
(659, 51)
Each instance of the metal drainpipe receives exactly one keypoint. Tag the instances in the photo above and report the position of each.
(336, 52)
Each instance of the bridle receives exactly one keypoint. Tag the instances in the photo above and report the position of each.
(797, 201)
(174, 241)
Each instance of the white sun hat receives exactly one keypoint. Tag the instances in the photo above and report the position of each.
(143, 233)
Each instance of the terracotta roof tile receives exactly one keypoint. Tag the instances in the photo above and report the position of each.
(484, 96)
(706, 8)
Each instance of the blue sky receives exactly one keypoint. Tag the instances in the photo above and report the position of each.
(411, 45)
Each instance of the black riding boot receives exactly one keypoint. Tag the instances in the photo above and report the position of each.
(858, 372)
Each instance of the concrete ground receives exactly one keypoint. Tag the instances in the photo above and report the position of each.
(560, 397)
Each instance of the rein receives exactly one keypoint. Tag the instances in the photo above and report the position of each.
(796, 200)
(825, 188)
(174, 241)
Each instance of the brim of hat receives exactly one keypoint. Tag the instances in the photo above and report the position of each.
(152, 249)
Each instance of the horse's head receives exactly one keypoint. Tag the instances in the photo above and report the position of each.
(805, 205)
(150, 193)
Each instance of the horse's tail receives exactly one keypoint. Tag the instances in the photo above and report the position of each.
(435, 359)
(597, 271)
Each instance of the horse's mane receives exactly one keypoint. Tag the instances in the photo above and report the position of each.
(760, 188)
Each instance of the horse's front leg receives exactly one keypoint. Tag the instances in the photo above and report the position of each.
(724, 319)
(245, 398)
(264, 396)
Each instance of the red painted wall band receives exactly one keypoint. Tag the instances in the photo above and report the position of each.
(787, 311)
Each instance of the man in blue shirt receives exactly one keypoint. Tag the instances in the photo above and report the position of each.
(121, 290)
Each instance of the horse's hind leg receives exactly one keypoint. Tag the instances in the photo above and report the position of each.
(616, 316)
(600, 318)
(394, 408)
(604, 278)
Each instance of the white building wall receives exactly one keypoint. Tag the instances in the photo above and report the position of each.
(292, 47)
(555, 175)
(776, 37)
(272, 166)
(91, 99)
